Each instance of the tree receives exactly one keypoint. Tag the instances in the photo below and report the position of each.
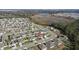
(71, 30)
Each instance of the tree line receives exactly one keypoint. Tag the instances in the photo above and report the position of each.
(71, 30)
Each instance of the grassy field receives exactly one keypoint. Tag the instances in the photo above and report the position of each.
(47, 20)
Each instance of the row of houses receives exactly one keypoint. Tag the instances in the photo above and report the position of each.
(22, 34)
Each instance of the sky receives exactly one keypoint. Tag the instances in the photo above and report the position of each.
(39, 4)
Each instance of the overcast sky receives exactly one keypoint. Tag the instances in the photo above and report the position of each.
(39, 4)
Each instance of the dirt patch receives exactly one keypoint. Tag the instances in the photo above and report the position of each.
(46, 20)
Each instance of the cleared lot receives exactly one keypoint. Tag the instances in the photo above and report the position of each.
(48, 19)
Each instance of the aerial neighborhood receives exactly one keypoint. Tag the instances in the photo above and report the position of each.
(21, 33)
(32, 29)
